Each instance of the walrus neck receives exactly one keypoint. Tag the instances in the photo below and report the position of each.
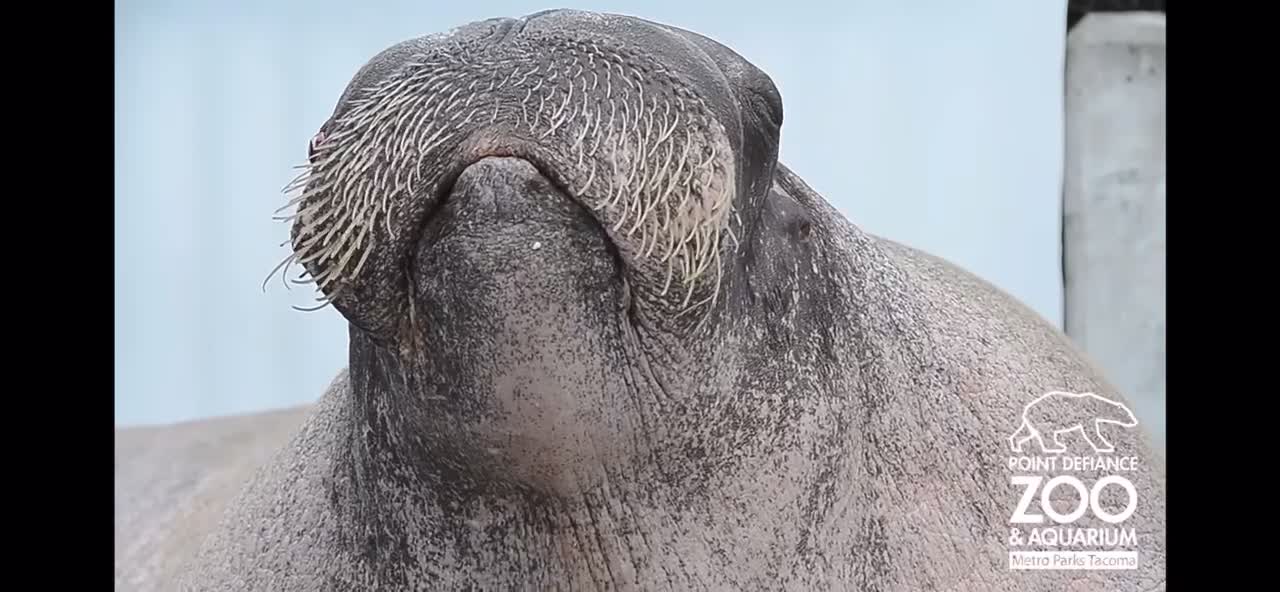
(402, 527)
(407, 507)
(405, 517)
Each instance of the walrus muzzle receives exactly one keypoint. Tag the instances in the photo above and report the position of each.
(655, 157)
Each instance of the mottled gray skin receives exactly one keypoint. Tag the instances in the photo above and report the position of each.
(527, 408)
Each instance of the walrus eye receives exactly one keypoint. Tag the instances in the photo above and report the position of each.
(314, 146)
(768, 111)
(767, 104)
(805, 230)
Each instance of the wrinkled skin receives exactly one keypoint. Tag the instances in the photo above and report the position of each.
(537, 398)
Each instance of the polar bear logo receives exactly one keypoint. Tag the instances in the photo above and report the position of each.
(1055, 413)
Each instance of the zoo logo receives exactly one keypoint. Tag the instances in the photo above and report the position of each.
(1088, 499)
(1056, 413)
(1046, 420)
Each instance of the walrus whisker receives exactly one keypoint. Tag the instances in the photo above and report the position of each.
(645, 244)
(687, 183)
(298, 180)
(661, 173)
(284, 262)
(707, 256)
(577, 142)
(643, 207)
(318, 307)
(711, 157)
(439, 105)
(640, 103)
(613, 113)
(346, 214)
(557, 119)
(652, 203)
(642, 139)
(633, 168)
(308, 218)
(621, 73)
(523, 77)
(674, 242)
(284, 274)
(666, 284)
(715, 290)
(613, 163)
(308, 194)
(686, 264)
(524, 107)
(360, 265)
(451, 101)
(688, 294)
(626, 116)
(621, 220)
(347, 253)
(698, 263)
(439, 141)
(648, 132)
(537, 114)
(662, 229)
(635, 198)
(671, 127)
(591, 176)
(415, 128)
(595, 130)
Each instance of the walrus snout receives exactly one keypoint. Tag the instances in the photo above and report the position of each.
(642, 124)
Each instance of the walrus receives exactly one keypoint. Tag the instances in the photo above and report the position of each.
(601, 338)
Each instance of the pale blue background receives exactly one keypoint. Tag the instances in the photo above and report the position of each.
(934, 122)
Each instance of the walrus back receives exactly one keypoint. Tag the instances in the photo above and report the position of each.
(172, 483)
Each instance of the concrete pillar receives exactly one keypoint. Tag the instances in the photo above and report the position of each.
(1114, 204)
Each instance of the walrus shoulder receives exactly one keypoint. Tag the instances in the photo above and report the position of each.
(173, 482)
(272, 530)
(961, 295)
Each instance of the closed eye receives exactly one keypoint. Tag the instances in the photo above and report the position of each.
(769, 110)
(314, 147)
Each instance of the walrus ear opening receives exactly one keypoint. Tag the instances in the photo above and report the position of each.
(804, 230)
(787, 216)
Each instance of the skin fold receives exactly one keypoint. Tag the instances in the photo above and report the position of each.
(600, 338)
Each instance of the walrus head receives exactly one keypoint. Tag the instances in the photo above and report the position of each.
(536, 228)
